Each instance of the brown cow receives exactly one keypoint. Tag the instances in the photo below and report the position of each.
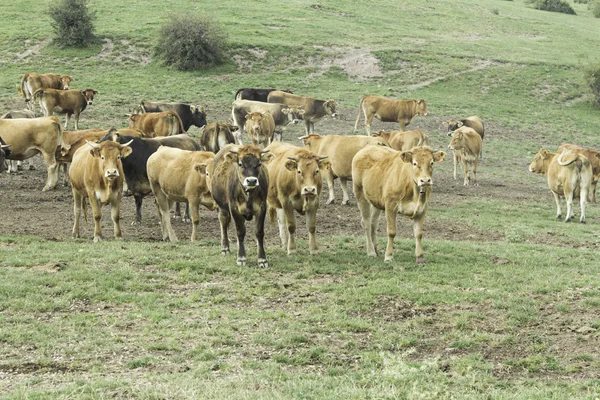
(69, 102)
(403, 141)
(282, 114)
(569, 175)
(389, 110)
(240, 183)
(405, 190)
(466, 145)
(473, 122)
(340, 150)
(29, 137)
(32, 82)
(166, 123)
(295, 184)
(177, 175)
(594, 158)
(217, 135)
(314, 110)
(261, 128)
(96, 173)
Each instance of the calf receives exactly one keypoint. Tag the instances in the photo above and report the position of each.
(97, 174)
(466, 145)
(397, 183)
(217, 135)
(569, 175)
(295, 184)
(255, 94)
(389, 110)
(261, 128)
(314, 110)
(166, 123)
(240, 187)
(31, 82)
(69, 102)
(340, 150)
(282, 115)
(177, 175)
(402, 141)
(190, 114)
(594, 158)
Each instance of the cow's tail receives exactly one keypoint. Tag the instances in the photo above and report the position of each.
(238, 94)
(586, 176)
(61, 140)
(362, 99)
(179, 123)
(22, 89)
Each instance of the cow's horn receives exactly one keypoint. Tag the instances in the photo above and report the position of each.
(94, 145)
(303, 137)
(126, 144)
(234, 151)
(264, 151)
(293, 159)
(5, 146)
(323, 157)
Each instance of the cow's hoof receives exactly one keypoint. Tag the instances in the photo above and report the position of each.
(263, 263)
(31, 168)
(346, 202)
(225, 252)
(46, 188)
(119, 238)
(187, 220)
(291, 252)
(582, 221)
(420, 260)
(136, 223)
(19, 168)
(97, 239)
(241, 261)
(75, 236)
(372, 253)
(388, 259)
(330, 201)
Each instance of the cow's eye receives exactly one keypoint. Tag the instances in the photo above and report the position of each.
(118, 157)
(300, 172)
(316, 172)
(240, 163)
(415, 164)
(102, 158)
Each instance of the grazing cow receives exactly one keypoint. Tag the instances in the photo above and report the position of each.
(389, 110)
(18, 165)
(240, 185)
(466, 146)
(29, 137)
(4, 152)
(261, 128)
(166, 123)
(295, 184)
(569, 175)
(402, 141)
(340, 150)
(473, 122)
(69, 102)
(217, 135)
(190, 114)
(135, 169)
(255, 94)
(32, 82)
(398, 183)
(182, 176)
(594, 158)
(282, 114)
(313, 109)
(96, 173)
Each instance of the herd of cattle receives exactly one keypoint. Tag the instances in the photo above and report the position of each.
(244, 182)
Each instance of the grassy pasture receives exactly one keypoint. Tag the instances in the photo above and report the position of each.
(513, 316)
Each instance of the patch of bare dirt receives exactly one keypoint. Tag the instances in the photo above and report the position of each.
(359, 64)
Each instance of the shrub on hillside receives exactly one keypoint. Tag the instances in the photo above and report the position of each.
(581, 1)
(73, 23)
(592, 78)
(595, 7)
(553, 5)
(189, 42)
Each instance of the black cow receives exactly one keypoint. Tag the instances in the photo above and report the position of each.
(134, 165)
(190, 114)
(239, 186)
(256, 94)
(4, 153)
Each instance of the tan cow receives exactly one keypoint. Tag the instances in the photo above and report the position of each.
(314, 110)
(69, 102)
(340, 150)
(177, 175)
(166, 123)
(569, 175)
(405, 190)
(282, 114)
(29, 137)
(594, 158)
(14, 166)
(96, 173)
(466, 145)
(389, 110)
(473, 122)
(32, 82)
(295, 184)
(261, 128)
(402, 141)
(217, 135)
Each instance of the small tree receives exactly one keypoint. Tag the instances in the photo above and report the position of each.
(592, 78)
(189, 42)
(73, 23)
(553, 5)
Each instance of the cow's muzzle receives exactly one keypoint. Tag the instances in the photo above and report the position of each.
(424, 183)
(309, 191)
(66, 87)
(90, 103)
(250, 183)
(111, 173)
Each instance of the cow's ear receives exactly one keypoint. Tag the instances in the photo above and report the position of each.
(439, 156)
(406, 156)
(459, 124)
(301, 112)
(95, 152)
(544, 153)
(95, 91)
(324, 164)
(248, 116)
(125, 151)
(193, 109)
(231, 156)
(286, 111)
(291, 165)
(82, 92)
(200, 168)
(266, 157)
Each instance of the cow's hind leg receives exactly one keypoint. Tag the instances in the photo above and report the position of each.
(52, 167)
(164, 206)
(77, 200)
(557, 201)
(568, 191)
(138, 210)
(283, 232)
(365, 211)
(329, 179)
(194, 205)
(375, 213)
(345, 196)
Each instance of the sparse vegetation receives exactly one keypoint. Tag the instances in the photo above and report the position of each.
(592, 78)
(553, 5)
(73, 23)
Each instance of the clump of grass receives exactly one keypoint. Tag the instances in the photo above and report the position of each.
(592, 78)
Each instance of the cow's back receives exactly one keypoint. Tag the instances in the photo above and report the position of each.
(342, 149)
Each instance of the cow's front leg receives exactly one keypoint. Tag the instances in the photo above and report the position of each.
(283, 232)
(311, 223)
(291, 228)
(418, 232)
(260, 237)
(97, 213)
(77, 202)
(390, 216)
(224, 219)
(240, 228)
(115, 214)
(345, 196)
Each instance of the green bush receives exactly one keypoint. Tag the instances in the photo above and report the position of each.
(553, 5)
(592, 78)
(73, 23)
(581, 1)
(595, 7)
(190, 42)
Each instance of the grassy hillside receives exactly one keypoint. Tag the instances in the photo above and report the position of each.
(506, 306)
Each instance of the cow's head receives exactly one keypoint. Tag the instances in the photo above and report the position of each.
(311, 141)
(541, 162)
(294, 114)
(4, 153)
(422, 107)
(422, 160)
(253, 123)
(452, 125)
(65, 81)
(330, 107)
(458, 141)
(198, 115)
(110, 153)
(383, 135)
(249, 159)
(307, 166)
(88, 95)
